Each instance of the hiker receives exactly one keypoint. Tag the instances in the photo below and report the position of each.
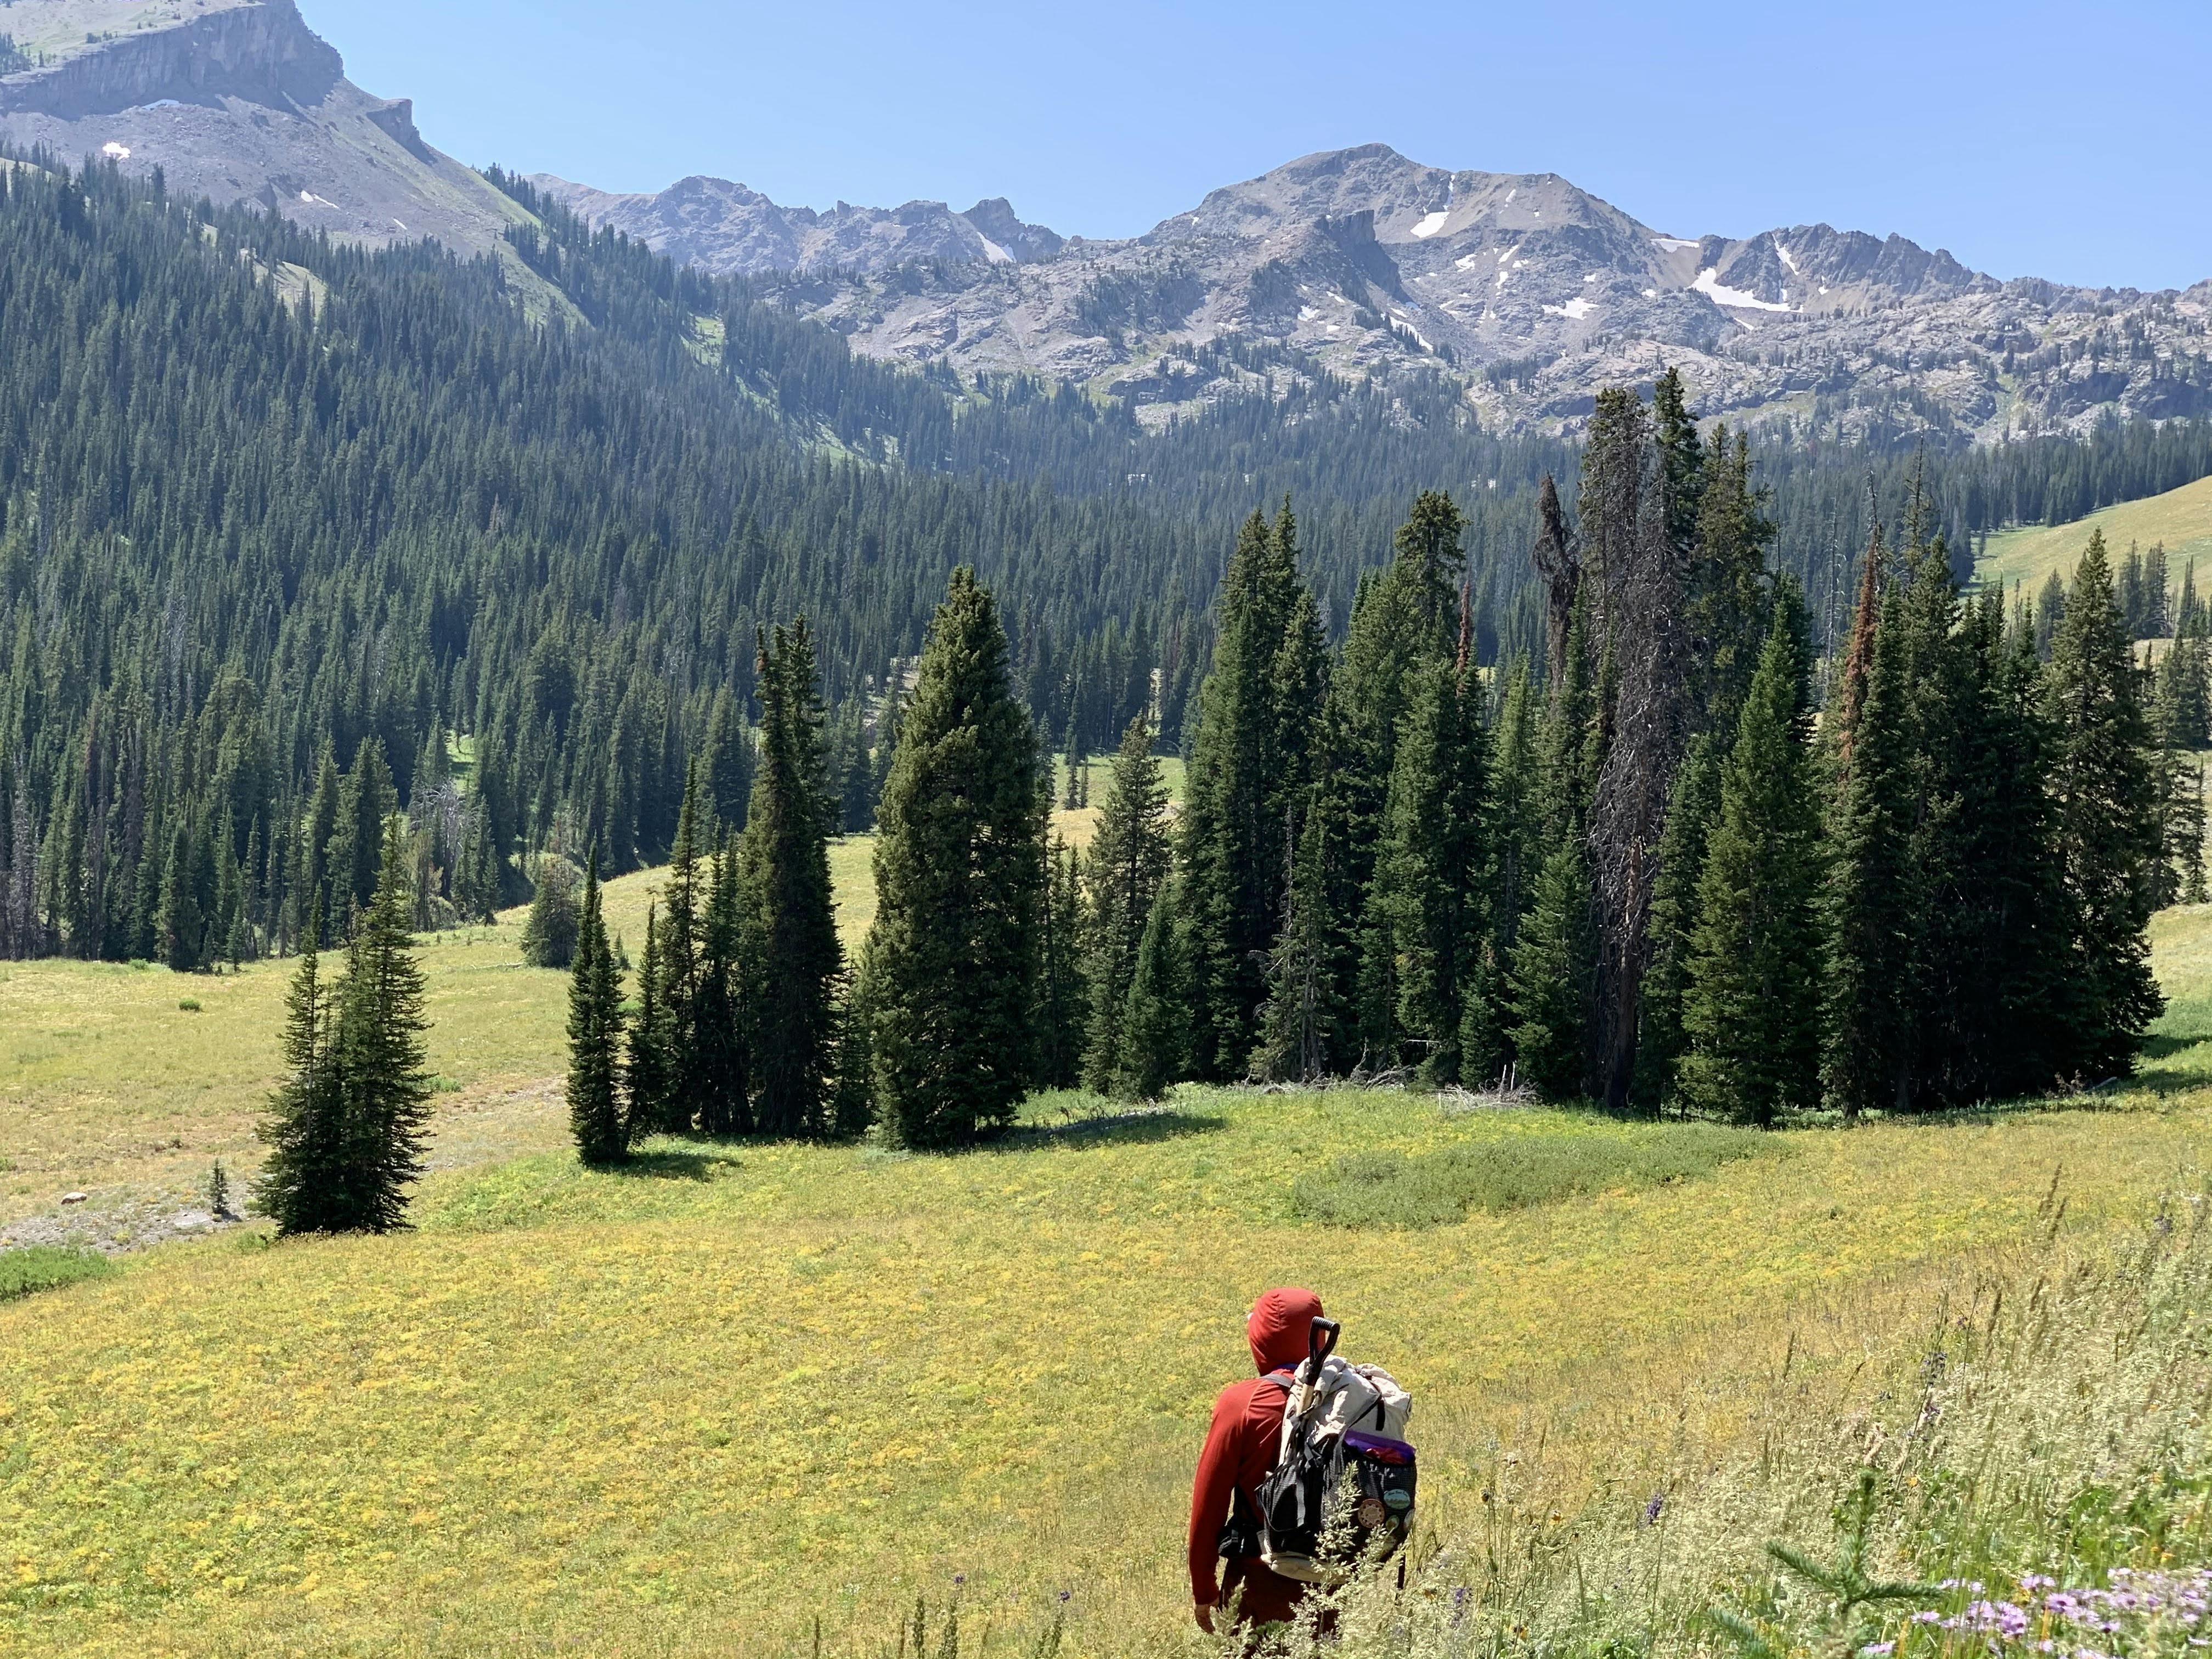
(1240, 1450)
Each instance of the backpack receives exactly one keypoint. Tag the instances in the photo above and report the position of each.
(1342, 1489)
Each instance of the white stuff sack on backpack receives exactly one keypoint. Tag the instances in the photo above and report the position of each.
(1347, 1397)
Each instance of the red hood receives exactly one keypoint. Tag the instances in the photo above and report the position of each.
(1281, 1328)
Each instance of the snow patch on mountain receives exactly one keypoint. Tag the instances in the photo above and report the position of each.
(1709, 283)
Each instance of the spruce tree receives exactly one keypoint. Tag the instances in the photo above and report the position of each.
(1553, 978)
(183, 919)
(1691, 814)
(648, 1070)
(1401, 631)
(1426, 902)
(595, 1114)
(1151, 1038)
(1129, 861)
(1062, 998)
(302, 1182)
(682, 940)
(377, 1052)
(726, 768)
(550, 932)
(1249, 767)
(795, 962)
(1516, 829)
(367, 801)
(1871, 905)
(314, 886)
(1751, 1003)
(2108, 831)
(959, 862)
(720, 1029)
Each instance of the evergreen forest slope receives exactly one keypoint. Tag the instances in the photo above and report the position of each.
(265, 497)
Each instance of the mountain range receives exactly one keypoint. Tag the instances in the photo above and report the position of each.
(1522, 290)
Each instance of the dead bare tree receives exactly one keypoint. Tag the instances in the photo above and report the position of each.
(1562, 572)
(1640, 603)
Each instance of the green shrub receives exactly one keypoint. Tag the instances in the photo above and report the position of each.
(189, 1006)
(1514, 1172)
(47, 1267)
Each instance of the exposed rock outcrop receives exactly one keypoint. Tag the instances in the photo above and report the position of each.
(240, 101)
(1530, 291)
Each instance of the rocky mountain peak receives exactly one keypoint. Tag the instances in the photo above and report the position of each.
(729, 230)
(240, 101)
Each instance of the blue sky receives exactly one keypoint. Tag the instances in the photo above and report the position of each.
(2071, 142)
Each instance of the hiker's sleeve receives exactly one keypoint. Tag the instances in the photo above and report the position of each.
(1210, 1498)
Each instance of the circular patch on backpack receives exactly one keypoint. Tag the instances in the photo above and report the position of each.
(1372, 1514)
(1397, 1499)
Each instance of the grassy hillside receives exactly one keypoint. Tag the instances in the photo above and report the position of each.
(2182, 519)
(695, 1407)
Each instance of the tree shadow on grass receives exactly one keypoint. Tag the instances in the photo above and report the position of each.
(676, 1163)
(1139, 1126)
(2174, 1064)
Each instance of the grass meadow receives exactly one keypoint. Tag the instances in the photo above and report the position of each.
(2182, 519)
(740, 1394)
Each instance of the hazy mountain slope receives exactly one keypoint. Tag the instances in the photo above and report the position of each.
(730, 230)
(1531, 291)
(237, 101)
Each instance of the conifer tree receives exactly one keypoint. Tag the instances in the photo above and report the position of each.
(183, 918)
(377, 1054)
(1401, 631)
(727, 763)
(1153, 1027)
(2105, 799)
(1129, 861)
(2181, 712)
(1554, 974)
(853, 1104)
(477, 872)
(796, 962)
(366, 802)
(648, 1070)
(1426, 903)
(682, 941)
(721, 1030)
(1690, 818)
(1728, 597)
(1871, 905)
(1516, 826)
(1062, 999)
(302, 1186)
(1249, 767)
(550, 932)
(595, 1113)
(1308, 1027)
(314, 883)
(1751, 1004)
(959, 861)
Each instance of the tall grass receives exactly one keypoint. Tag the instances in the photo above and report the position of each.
(1391, 1189)
(37, 1267)
(2029, 1468)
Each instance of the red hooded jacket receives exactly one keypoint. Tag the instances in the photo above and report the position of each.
(1240, 1452)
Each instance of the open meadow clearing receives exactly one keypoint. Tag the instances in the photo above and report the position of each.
(696, 1406)
(2181, 518)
